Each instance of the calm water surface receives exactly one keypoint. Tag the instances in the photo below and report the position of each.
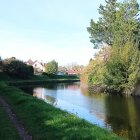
(118, 114)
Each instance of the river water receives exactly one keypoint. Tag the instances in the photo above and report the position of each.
(118, 114)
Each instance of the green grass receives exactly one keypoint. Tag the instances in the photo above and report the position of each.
(7, 129)
(44, 121)
(37, 80)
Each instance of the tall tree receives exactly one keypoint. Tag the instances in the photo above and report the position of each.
(102, 30)
(117, 23)
(119, 28)
(126, 25)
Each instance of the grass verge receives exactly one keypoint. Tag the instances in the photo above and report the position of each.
(7, 129)
(44, 121)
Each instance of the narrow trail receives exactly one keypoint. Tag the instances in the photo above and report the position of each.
(20, 128)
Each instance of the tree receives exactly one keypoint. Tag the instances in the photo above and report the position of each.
(123, 68)
(15, 67)
(102, 30)
(94, 72)
(0, 64)
(51, 67)
(126, 25)
(118, 23)
(119, 28)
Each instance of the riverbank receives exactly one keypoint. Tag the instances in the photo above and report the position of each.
(38, 80)
(45, 121)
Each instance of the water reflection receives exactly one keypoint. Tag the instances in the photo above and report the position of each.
(118, 114)
(40, 93)
(123, 115)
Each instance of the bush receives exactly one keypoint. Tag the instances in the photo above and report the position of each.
(123, 68)
(15, 67)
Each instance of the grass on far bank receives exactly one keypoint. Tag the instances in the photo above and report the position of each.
(44, 76)
(44, 121)
(37, 79)
(7, 129)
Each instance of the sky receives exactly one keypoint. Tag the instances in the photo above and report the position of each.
(47, 29)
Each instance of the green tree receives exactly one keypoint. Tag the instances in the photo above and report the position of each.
(118, 22)
(15, 67)
(102, 30)
(51, 67)
(0, 64)
(123, 68)
(126, 25)
(119, 28)
(94, 72)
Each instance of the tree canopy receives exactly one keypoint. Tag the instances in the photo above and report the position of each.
(118, 27)
(13, 66)
(51, 67)
(118, 22)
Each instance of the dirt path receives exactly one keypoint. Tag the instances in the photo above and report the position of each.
(21, 130)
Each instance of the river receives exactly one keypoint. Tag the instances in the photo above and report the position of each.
(116, 113)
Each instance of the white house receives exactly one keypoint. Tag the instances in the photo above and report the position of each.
(39, 67)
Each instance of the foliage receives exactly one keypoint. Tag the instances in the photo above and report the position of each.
(94, 72)
(118, 20)
(119, 28)
(31, 69)
(102, 30)
(66, 77)
(0, 64)
(51, 67)
(123, 68)
(126, 25)
(17, 68)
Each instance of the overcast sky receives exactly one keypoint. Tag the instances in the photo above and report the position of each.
(47, 29)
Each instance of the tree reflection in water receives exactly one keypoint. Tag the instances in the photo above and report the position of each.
(122, 114)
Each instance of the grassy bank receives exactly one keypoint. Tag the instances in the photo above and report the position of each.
(7, 129)
(44, 121)
(37, 80)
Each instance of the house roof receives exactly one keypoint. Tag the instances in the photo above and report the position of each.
(71, 71)
(38, 62)
(30, 62)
